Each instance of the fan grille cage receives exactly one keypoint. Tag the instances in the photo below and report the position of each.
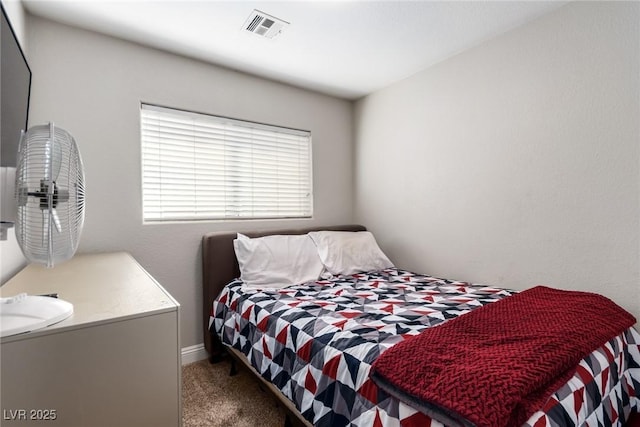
(50, 195)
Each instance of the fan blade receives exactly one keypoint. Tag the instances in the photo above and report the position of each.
(53, 155)
(56, 220)
(62, 195)
(56, 160)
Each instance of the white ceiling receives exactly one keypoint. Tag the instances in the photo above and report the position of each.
(342, 48)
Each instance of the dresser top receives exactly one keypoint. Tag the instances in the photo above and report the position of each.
(103, 288)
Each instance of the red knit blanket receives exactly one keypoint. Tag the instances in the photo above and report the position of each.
(498, 364)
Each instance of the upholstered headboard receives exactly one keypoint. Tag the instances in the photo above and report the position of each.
(220, 266)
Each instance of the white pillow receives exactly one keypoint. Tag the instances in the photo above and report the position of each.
(277, 261)
(348, 252)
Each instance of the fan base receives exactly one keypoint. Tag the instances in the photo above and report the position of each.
(25, 313)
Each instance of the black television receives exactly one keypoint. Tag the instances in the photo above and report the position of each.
(15, 89)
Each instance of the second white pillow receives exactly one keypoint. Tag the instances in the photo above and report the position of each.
(347, 252)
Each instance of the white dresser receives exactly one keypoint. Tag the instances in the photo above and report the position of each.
(114, 363)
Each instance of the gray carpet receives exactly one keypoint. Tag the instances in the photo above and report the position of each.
(210, 397)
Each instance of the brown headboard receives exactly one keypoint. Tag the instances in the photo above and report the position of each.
(220, 266)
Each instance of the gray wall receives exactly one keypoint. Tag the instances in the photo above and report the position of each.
(517, 162)
(92, 86)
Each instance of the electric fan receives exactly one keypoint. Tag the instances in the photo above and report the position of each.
(50, 200)
(50, 195)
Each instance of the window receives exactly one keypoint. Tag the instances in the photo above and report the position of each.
(199, 167)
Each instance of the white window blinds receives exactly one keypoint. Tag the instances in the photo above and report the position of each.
(197, 167)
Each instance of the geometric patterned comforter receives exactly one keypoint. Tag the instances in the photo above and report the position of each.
(316, 343)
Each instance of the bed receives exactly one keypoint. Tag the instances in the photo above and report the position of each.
(313, 345)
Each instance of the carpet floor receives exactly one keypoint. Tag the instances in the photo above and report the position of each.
(210, 397)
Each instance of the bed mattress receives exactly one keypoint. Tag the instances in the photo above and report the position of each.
(316, 343)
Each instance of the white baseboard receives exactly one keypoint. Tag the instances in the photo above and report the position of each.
(193, 353)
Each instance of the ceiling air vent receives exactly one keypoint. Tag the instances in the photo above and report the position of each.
(264, 25)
